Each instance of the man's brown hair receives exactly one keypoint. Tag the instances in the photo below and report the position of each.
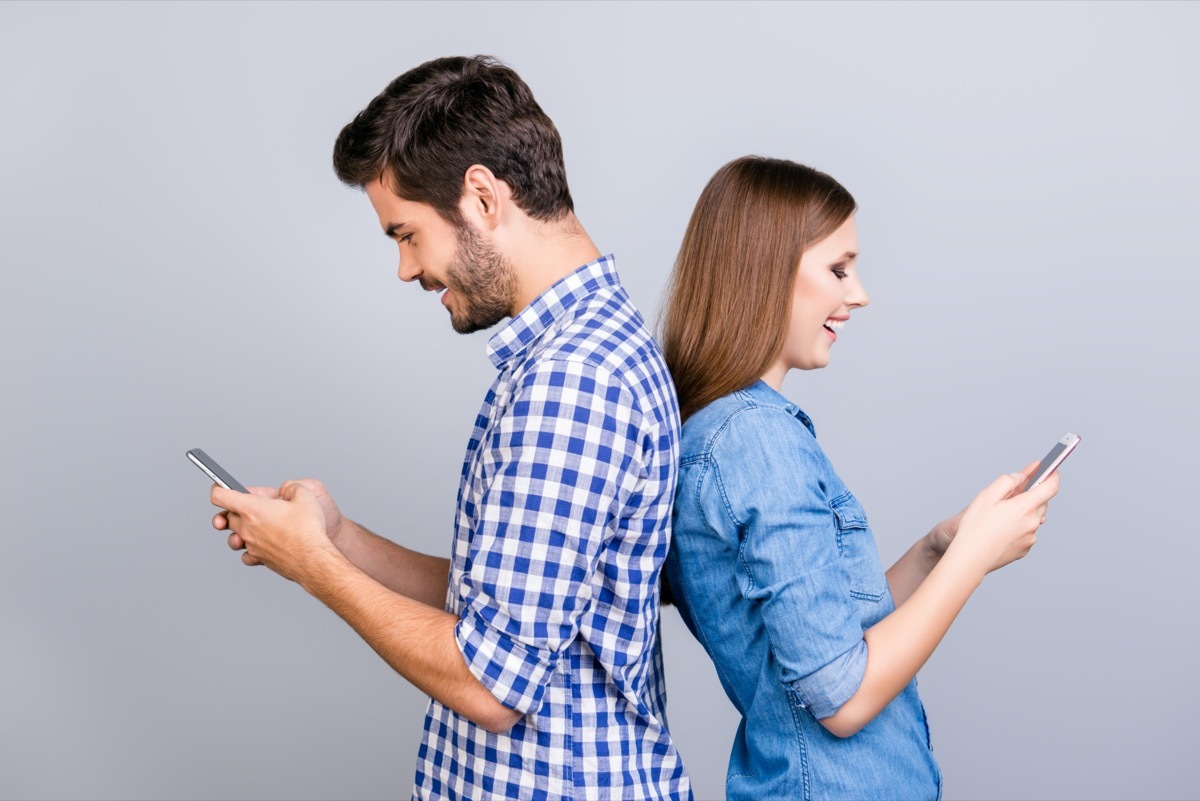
(435, 121)
(730, 292)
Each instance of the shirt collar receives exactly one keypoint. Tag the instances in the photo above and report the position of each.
(764, 393)
(512, 339)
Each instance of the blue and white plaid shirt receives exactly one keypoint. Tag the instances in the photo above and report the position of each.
(563, 524)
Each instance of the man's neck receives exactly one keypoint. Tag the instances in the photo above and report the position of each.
(545, 254)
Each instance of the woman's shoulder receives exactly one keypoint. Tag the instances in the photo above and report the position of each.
(756, 420)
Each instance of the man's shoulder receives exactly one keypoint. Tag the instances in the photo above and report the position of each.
(604, 347)
(607, 331)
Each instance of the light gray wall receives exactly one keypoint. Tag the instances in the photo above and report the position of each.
(182, 269)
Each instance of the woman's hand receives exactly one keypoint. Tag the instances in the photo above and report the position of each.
(940, 536)
(1000, 525)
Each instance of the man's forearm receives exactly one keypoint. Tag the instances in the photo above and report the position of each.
(416, 640)
(413, 574)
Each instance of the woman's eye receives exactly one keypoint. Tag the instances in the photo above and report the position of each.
(839, 273)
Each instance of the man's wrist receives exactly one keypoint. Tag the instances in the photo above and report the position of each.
(325, 571)
(343, 533)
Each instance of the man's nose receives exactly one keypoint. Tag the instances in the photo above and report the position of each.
(408, 270)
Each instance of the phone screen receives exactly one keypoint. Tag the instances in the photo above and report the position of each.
(214, 471)
(1061, 450)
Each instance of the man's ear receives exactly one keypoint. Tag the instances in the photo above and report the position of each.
(485, 198)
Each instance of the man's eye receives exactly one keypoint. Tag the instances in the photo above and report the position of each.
(405, 238)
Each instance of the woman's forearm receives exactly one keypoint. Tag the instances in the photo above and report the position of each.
(911, 569)
(899, 645)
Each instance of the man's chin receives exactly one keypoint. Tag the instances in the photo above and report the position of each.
(465, 327)
(470, 325)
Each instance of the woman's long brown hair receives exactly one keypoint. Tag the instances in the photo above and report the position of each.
(730, 292)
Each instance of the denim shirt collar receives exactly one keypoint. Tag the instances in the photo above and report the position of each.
(761, 392)
(512, 340)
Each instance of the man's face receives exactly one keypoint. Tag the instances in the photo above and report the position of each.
(477, 284)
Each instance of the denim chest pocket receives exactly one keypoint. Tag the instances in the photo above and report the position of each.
(857, 548)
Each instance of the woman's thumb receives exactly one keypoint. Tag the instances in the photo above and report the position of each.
(1004, 484)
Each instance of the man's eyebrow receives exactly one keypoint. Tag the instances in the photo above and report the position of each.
(391, 230)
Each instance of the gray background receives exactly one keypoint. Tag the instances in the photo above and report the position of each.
(182, 269)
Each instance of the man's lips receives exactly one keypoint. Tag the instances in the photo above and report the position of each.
(434, 286)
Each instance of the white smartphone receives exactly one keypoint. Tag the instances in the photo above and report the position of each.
(215, 471)
(1061, 450)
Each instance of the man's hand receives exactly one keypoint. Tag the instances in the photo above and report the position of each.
(284, 530)
(334, 522)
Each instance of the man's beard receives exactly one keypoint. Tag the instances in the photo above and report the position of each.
(484, 282)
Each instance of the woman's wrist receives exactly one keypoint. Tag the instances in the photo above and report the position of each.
(965, 560)
(940, 536)
(936, 542)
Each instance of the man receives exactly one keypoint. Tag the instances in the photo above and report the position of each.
(537, 641)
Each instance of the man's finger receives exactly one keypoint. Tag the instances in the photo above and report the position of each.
(312, 484)
(291, 490)
(229, 499)
(264, 492)
(236, 542)
(219, 522)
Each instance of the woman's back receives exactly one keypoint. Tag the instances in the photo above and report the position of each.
(775, 571)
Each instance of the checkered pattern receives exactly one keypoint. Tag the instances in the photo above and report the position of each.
(563, 524)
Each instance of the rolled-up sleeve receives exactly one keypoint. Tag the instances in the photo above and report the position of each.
(772, 487)
(561, 463)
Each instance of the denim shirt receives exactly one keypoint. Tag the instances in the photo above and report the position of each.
(774, 569)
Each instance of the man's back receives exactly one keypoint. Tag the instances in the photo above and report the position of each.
(562, 528)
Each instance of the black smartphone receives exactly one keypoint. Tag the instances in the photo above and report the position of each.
(215, 471)
(1061, 450)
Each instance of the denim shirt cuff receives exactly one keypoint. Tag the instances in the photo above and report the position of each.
(825, 690)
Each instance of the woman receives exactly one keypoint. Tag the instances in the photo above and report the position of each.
(773, 564)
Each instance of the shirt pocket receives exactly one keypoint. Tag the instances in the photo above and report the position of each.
(856, 546)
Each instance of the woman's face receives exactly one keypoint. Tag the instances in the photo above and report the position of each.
(827, 288)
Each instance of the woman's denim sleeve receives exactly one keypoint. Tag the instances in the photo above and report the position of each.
(774, 485)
